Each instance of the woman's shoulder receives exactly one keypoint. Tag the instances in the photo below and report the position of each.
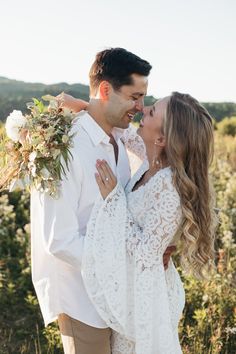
(163, 181)
(164, 175)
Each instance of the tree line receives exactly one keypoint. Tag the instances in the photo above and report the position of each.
(15, 94)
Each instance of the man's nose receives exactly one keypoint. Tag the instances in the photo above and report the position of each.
(145, 110)
(139, 105)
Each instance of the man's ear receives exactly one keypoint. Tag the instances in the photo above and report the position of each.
(104, 90)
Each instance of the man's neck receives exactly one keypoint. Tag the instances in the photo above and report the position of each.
(95, 110)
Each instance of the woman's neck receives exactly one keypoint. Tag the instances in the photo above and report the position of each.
(156, 158)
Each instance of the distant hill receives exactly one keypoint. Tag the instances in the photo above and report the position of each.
(14, 87)
(15, 94)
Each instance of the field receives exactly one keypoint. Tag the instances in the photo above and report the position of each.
(208, 325)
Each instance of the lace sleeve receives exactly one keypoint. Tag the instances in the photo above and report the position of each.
(133, 142)
(123, 270)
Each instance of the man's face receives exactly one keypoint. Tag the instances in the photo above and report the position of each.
(124, 103)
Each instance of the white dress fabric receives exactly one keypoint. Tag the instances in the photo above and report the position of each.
(122, 265)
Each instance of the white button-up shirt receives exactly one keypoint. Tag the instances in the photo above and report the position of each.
(58, 226)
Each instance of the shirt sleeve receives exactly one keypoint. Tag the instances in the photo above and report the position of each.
(57, 219)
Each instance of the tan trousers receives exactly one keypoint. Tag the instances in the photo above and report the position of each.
(80, 338)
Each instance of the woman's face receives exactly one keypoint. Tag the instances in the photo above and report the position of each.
(151, 124)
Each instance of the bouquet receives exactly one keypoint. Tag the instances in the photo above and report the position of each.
(35, 150)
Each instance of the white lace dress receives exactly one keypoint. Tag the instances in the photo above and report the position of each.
(123, 265)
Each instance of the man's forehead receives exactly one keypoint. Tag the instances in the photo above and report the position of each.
(139, 85)
(139, 80)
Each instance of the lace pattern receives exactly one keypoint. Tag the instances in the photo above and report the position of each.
(133, 142)
(123, 270)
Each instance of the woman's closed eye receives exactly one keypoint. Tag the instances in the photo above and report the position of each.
(152, 110)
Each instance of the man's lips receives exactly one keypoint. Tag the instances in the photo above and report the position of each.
(131, 115)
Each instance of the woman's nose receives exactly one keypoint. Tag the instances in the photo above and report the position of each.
(145, 110)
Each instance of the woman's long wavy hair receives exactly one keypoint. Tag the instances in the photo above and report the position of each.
(188, 130)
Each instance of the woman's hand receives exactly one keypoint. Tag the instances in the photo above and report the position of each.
(105, 178)
(72, 103)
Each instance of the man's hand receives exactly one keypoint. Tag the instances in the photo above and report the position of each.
(167, 255)
(72, 103)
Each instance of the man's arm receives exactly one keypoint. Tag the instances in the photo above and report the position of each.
(57, 219)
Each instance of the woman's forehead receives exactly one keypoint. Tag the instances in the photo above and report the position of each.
(161, 104)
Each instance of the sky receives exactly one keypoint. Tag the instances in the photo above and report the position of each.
(191, 44)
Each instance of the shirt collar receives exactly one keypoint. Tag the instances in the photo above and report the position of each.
(96, 133)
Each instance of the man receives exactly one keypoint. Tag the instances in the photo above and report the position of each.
(118, 84)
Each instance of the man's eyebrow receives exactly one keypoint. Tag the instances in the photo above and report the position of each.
(138, 93)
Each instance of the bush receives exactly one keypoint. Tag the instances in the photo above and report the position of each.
(227, 126)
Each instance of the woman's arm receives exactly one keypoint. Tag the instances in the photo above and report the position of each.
(72, 103)
(123, 269)
(162, 214)
(133, 142)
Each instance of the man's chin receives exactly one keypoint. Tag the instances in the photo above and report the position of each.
(125, 125)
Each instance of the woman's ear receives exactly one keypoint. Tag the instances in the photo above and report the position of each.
(160, 141)
(104, 89)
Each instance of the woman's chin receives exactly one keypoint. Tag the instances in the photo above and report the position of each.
(139, 132)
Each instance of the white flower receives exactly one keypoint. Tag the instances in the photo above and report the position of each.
(32, 156)
(14, 122)
(32, 168)
(65, 139)
(45, 173)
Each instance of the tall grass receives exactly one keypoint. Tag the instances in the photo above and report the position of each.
(208, 325)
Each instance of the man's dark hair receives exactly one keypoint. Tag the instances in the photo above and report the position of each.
(116, 65)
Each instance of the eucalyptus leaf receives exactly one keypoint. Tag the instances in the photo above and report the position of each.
(48, 98)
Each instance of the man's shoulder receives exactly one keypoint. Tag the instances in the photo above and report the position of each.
(81, 135)
(79, 121)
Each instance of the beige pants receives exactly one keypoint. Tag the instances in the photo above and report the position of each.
(80, 338)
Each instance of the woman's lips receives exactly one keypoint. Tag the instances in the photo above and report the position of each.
(141, 123)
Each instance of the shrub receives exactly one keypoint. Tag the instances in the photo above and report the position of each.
(227, 126)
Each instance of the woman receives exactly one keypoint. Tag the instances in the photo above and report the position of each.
(166, 201)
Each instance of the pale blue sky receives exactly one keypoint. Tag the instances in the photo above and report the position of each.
(190, 43)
